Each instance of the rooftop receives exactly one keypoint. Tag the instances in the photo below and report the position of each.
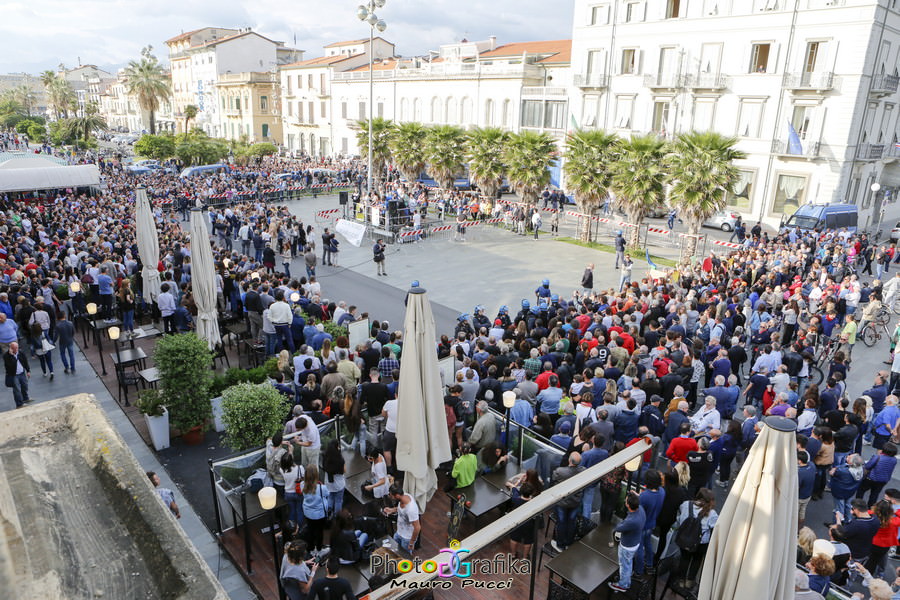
(354, 42)
(321, 61)
(556, 51)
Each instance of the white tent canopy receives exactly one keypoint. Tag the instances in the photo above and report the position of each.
(47, 178)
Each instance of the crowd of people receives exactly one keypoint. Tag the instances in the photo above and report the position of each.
(696, 360)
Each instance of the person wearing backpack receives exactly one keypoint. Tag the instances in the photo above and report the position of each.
(691, 534)
(630, 530)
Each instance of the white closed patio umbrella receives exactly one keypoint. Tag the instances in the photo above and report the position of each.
(422, 442)
(753, 548)
(147, 243)
(203, 281)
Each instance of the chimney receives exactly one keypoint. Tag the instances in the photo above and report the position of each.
(493, 40)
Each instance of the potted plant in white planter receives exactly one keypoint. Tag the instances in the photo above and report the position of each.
(219, 384)
(150, 403)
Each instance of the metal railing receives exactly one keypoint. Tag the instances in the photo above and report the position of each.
(885, 84)
(870, 151)
(809, 81)
(707, 81)
(591, 80)
(543, 91)
(664, 80)
(809, 149)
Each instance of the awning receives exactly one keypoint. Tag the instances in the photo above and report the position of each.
(48, 178)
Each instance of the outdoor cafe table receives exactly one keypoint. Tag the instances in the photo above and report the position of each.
(128, 356)
(588, 563)
(499, 478)
(150, 376)
(355, 484)
(481, 496)
(354, 463)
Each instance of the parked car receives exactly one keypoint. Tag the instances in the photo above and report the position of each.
(895, 233)
(725, 220)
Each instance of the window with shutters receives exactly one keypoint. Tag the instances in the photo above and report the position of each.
(599, 15)
(531, 113)
(672, 9)
(624, 110)
(759, 58)
(629, 61)
(750, 115)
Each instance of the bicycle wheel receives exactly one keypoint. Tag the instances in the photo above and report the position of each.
(869, 336)
(816, 375)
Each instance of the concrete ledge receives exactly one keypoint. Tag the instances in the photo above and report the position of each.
(80, 519)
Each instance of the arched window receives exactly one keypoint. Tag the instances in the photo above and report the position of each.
(435, 110)
(465, 116)
(417, 110)
(488, 112)
(450, 113)
(507, 114)
(404, 109)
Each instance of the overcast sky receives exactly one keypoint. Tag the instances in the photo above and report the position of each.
(40, 34)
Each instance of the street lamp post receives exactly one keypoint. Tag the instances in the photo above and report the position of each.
(876, 187)
(509, 400)
(366, 12)
(92, 311)
(267, 500)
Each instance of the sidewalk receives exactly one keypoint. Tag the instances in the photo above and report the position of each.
(86, 381)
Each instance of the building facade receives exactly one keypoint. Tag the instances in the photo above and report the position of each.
(809, 88)
(249, 107)
(308, 108)
(469, 84)
(199, 58)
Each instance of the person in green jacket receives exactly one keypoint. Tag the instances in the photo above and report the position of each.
(464, 469)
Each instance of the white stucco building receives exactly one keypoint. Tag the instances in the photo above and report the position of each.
(754, 69)
(198, 58)
(469, 84)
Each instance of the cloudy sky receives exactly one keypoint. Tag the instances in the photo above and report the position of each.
(40, 34)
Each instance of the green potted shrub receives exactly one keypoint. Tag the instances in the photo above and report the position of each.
(252, 413)
(150, 402)
(184, 363)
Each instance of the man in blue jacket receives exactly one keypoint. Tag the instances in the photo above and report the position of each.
(806, 476)
(631, 530)
(884, 422)
(651, 500)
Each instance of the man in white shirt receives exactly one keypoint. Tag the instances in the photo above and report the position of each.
(281, 317)
(309, 443)
(166, 303)
(707, 418)
(408, 525)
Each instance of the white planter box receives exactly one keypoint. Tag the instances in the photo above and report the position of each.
(217, 414)
(159, 430)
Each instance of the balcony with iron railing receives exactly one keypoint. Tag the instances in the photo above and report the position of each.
(891, 151)
(707, 81)
(808, 149)
(870, 151)
(544, 92)
(668, 81)
(592, 80)
(448, 70)
(884, 84)
(820, 82)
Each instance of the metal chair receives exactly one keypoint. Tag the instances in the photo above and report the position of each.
(125, 379)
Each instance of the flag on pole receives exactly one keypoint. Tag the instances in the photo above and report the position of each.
(650, 262)
(794, 145)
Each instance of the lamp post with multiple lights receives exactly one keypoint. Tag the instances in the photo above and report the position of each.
(366, 12)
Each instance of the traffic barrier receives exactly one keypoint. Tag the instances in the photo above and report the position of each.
(328, 214)
(721, 243)
(659, 230)
(411, 233)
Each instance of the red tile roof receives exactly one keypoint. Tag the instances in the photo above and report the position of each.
(322, 61)
(557, 49)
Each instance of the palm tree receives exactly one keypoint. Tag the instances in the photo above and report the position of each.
(528, 156)
(407, 149)
(638, 180)
(60, 94)
(382, 130)
(445, 153)
(25, 96)
(484, 151)
(81, 127)
(589, 156)
(190, 113)
(147, 80)
(702, 174)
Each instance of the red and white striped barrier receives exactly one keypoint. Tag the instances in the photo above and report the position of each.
(550, 210)
(470, 223)
(327, 213)
(658, 230)
(726, 244)
(218, 196)
(442, 228)
(491, 221)
(412, 233)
